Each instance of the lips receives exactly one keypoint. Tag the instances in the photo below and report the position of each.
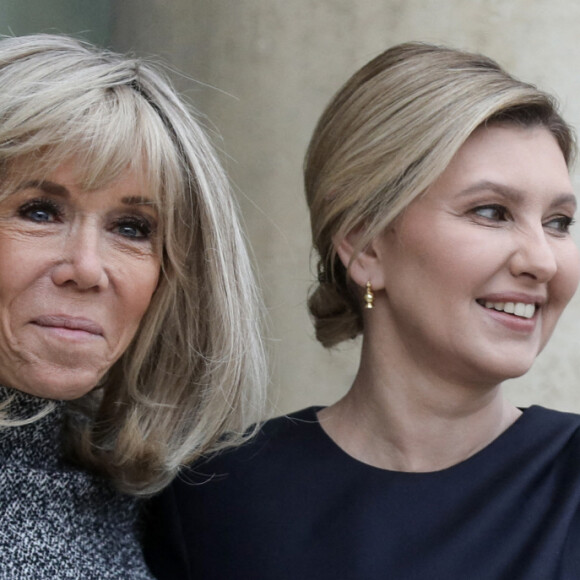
(70, 323)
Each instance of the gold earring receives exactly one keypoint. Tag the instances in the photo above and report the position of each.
(369, 297)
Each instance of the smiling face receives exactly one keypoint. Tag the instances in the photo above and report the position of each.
(472, 278)
(77, 273)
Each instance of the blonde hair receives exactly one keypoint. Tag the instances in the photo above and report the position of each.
(387, 135)
(192, 380)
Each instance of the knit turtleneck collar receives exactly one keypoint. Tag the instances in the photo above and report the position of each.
(24, 406)
(39, 438)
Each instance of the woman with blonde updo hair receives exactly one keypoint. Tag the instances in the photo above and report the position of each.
(441, 206)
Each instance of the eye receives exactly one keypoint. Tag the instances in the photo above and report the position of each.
(133, 227)
(40, 210)
(493, 211)
(560, 223)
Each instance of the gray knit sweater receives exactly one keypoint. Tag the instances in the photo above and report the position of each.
(57, 521)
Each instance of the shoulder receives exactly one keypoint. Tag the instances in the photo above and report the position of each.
(288, 430)
(236, 484)
(553, 416)
(280, 443)
(215, 501)
(548, 437)
(297, 424)
(548, 422)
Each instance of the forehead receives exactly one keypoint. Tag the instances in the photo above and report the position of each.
(77, 173)
(525, 159)
(73, 174)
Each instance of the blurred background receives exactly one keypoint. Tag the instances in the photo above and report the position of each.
(261, 71)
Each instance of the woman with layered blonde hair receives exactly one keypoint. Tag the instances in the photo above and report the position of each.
(129, 325)
(441, 204)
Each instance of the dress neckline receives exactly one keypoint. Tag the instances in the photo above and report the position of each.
(509, 437)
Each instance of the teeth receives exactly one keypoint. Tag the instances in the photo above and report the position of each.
(516, 308)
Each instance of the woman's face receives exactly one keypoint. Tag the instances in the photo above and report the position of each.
(478, 270)
(77, 272)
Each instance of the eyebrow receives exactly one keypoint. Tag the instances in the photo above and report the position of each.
(47, 186)
(514, 194)
(56, 189)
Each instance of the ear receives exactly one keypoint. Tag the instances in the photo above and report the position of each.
(365, 264)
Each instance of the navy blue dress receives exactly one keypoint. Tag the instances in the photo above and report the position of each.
(291, 504)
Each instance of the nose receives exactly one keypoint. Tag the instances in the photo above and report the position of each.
(81, 261)
(534, 256)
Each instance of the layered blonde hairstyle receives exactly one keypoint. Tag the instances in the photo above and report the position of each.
(192, 380)
(387, 135)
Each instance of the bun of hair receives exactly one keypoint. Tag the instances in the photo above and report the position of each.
(335, 309)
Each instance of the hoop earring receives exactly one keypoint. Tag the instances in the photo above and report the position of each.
(369, 297)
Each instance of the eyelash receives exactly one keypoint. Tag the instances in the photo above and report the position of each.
(501, 211)
(565, 222)
(502, 214)
(143, 225)
(54, 213)
(48, 206)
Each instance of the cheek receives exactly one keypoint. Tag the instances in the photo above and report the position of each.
(22, 264)
(141, 288)
(450, 264)
(561, 289)
(565, 283)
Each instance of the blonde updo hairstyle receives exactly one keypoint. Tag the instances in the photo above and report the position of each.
(387, 135)
(192, 380)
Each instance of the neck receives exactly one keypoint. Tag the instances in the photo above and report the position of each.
(404, 420)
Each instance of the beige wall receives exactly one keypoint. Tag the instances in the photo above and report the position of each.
(267, 68)
(88, 19)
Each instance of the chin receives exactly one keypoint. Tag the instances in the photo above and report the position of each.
(510, 363)
(511, 371)
(59, 387)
